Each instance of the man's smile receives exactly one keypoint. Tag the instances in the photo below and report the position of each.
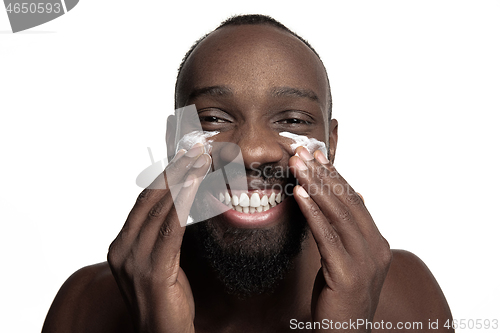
(251, 209)
(251, 201)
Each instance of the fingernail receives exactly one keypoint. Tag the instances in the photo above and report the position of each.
(201, 161)
(321, 158)
(305, 154)
(301, 165)
(302, 192)
(179, 154)
(196, 150)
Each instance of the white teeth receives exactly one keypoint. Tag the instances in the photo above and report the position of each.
(244, 200)
(255, 200)
(252, 204)
(272, 199)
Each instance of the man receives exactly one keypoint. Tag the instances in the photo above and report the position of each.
(313, 260)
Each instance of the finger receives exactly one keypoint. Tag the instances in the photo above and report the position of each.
(174, 173)
(331, 207)
(169, 210)
(324, 176)
(168, 242)
(356, 203)
(346, 194)
(330, 244)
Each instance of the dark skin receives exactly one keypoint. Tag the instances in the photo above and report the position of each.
(267, 82)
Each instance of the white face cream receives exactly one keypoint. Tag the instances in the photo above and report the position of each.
(309, 143)
(192, 138)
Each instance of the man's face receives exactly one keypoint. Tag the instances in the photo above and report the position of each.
(250, 83)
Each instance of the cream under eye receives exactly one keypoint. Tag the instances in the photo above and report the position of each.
(190, 139)
(310, 144)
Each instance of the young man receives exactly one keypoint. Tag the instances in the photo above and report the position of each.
(312, 259)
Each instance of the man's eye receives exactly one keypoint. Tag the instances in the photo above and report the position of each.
(211, 119)
(294, 121)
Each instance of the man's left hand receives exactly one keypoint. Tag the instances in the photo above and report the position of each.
(355, 258)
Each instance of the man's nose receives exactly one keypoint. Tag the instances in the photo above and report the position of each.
(259, 146)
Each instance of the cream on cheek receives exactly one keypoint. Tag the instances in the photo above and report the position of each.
(310, 144)
(192, 138)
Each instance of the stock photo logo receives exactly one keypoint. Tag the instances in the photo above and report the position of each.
(229, 173)
(227, 176)
(24, 14)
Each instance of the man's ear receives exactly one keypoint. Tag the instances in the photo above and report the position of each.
(170, 136)
(332, 141)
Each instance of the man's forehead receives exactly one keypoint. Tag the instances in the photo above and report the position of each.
(241, 35)
(282, 91)
(251, 56)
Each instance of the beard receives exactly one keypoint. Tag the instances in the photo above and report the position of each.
(248, 261)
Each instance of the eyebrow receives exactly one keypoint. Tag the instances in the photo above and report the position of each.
(294, 92)
(224, 91)
(221, 91)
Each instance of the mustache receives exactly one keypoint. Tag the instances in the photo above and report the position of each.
(264, 174)
(272, 173)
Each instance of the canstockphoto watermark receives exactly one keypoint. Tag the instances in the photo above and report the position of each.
(25, 14)
(229, 173)
(327, 324)
(329, 180)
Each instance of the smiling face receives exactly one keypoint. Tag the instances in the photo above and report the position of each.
(250, 83)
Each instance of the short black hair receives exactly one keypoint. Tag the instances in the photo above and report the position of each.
(253, 19)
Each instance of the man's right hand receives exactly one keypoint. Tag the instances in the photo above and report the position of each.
(145, 256)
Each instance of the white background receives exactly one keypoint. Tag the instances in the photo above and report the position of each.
(415, 89)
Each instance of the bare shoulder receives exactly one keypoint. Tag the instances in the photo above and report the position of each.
(412, 294)
(89, 301)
